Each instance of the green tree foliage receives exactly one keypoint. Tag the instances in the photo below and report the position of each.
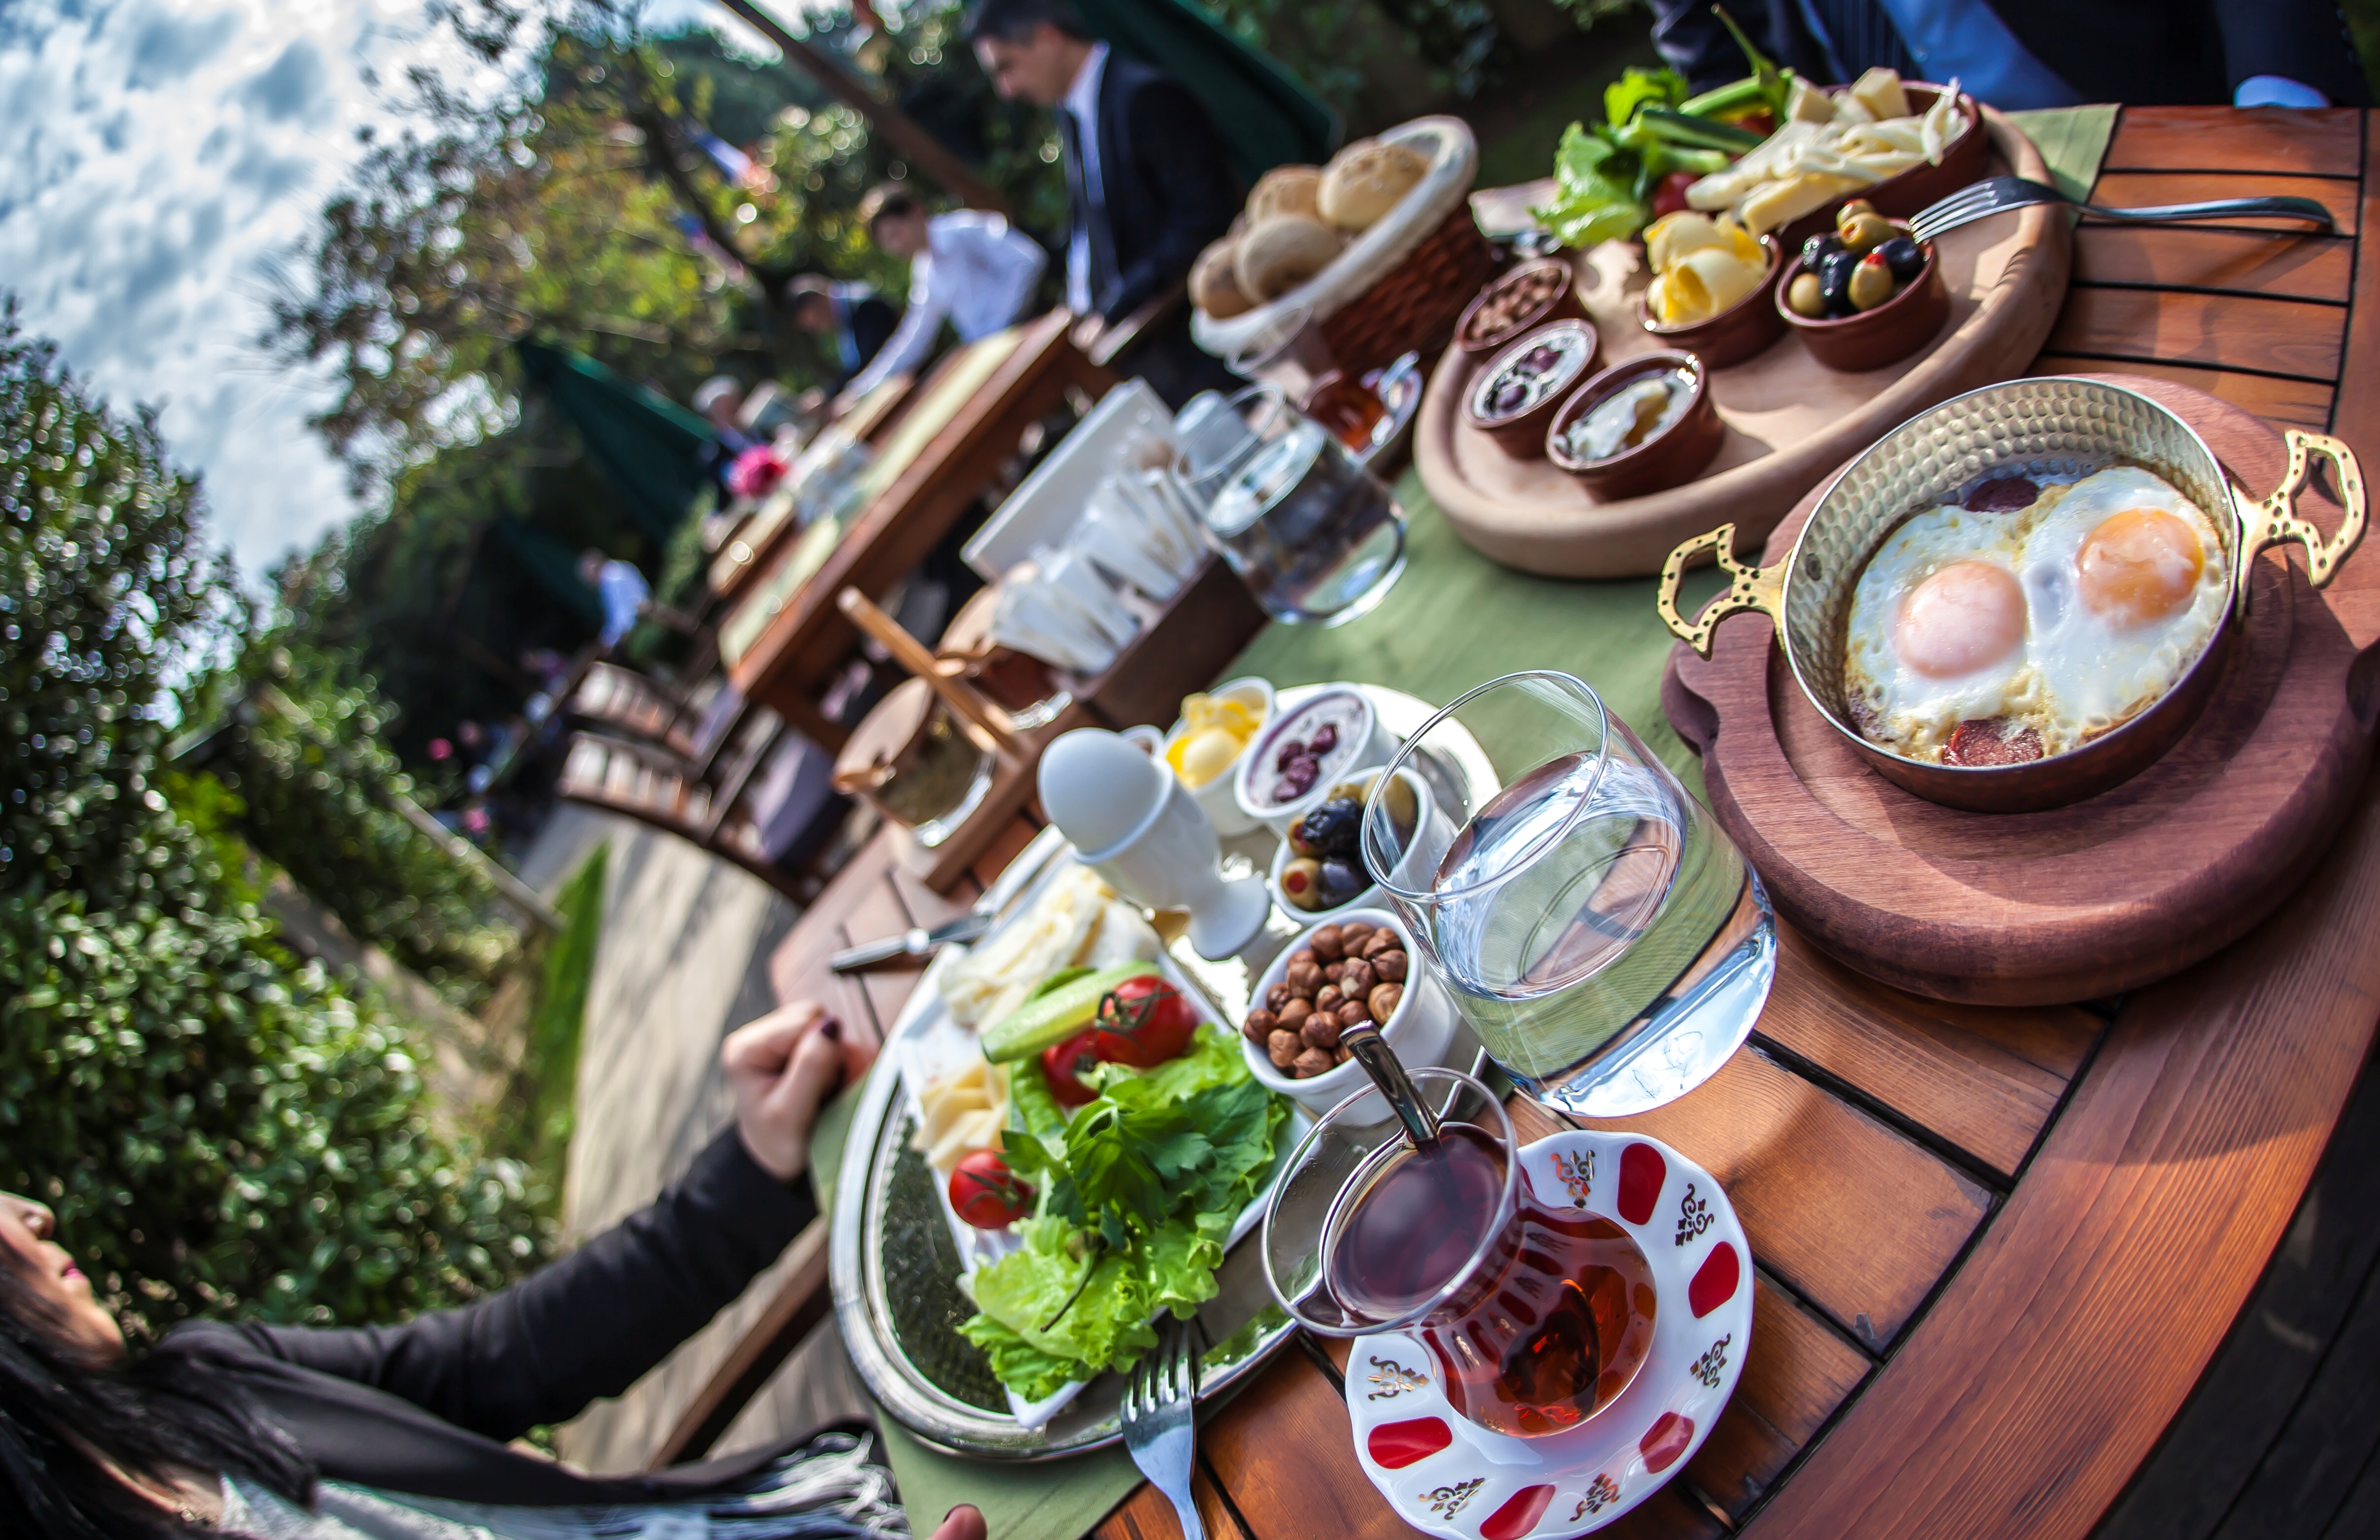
(220, 1129)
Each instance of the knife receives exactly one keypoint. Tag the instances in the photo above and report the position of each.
(917, 942)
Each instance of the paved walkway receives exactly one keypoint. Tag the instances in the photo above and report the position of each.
(683, 962)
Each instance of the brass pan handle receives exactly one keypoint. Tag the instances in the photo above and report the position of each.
(2274, 520)
(1761, 589)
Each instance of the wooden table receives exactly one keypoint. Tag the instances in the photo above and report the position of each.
(808, 636)
(1996, 1248)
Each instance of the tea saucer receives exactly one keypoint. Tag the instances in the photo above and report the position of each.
(1446, 1476)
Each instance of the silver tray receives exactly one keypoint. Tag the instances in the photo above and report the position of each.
(894, 1266)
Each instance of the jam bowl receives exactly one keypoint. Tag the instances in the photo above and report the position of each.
(1516, 394)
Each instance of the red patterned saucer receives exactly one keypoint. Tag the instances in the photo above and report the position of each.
(1446, 1476)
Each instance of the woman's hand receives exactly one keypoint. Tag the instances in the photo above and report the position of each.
(963, 1523)
(782, 1069)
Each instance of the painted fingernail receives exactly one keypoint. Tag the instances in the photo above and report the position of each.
(832, 1030)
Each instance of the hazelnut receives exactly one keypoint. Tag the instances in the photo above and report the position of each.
(1380, 940)
(1294, 1014)
(1384, 1000)
(1352, 937)
(1311, 1062)
(1279, 996)
(1357, 981)
(1339, 1055)
(1352, 1012)
(1328, 999)
(1390, 967)
(1284, 1047)
(1259, 1027)
(1326, 943)
(1304, 977)
(1321, 1030)
(1334, 971)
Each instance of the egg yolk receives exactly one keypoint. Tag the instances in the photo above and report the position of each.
(2138, 566)
(1967, 617)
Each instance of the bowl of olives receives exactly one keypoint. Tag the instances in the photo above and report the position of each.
(1318, 870)
(1864, 294)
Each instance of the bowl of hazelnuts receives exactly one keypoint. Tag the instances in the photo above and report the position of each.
(1359, 967)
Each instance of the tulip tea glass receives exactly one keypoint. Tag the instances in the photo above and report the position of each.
(1540, 1315)
(1605, 939)
(1314, 535)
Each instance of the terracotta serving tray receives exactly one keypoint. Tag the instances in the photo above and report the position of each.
(2080, 901)
(1791, 419)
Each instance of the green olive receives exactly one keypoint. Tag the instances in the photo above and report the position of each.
(1851, 210)
(1871, 283)
(1865, 231)
(1302, 881)
(1805, 298)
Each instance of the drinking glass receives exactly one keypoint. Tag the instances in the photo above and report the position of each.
(1605, 939)
(1288, 350)
(1314, 535)
(1538, 1313)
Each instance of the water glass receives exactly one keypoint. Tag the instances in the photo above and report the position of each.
(1314, 535)
(1605, 939)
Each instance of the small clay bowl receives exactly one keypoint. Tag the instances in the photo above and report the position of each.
(1564, 305)
(1872, 339)
(1671, 458)
(1744, 328)
(1523, 436)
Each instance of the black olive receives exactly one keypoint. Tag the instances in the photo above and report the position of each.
(1335, 828)
(1507, 396)
(1340, 881)
(1834, 282)
(1298, 778)
(1290, 749)
(1904, 257)
(1326, 738)
(1818, 248)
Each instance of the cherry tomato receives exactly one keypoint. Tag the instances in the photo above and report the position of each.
(1670, 193)
(986, 1193)
(1143, 1022)
(1062, 1065)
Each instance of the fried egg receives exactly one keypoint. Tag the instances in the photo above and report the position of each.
(2064, 618)
(2125, 581)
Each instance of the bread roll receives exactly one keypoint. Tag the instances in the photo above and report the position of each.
(1214, 287)
(1366, 179)
(1286, 189)
(1278, 254)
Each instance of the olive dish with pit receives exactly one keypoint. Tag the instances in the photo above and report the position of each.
(1864, 294)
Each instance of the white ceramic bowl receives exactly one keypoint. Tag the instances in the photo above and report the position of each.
(1421, 1029)
(1218, 798)
(1375, 747)
(1408, 871)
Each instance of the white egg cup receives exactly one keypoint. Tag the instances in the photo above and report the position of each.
(1160, 850)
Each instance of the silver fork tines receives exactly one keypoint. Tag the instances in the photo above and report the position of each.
(1160, 1419)
(1999, 194)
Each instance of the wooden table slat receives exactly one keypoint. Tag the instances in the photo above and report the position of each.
(2140, 190)
(1856, 1218)
(2267, 336)
(1922, 1058)
(2265, 140)
(1148, 1514)
(2300, 403)
(2356, 418)
(1796, 1373)
(2256, 263)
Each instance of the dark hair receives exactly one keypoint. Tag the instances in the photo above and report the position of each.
(64, 1421)
(1013, 20)
(805, 286)
(888, 201)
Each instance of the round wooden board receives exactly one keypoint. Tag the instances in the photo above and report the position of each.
(1791, 419)
(2082, 902)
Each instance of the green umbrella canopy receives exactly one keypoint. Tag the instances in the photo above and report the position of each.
(1265, 115)
(647, 443)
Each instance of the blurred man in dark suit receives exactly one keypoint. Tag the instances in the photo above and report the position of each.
(1149, 184)
(856, 320)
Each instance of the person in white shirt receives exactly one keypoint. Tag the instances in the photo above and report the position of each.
(621, 587)
(967, 267)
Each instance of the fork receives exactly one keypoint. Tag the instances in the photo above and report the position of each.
(1999, 194)
(1160, 1420)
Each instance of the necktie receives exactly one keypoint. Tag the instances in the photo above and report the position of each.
(1089, 208)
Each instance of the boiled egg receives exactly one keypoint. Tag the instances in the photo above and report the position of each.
(2125, 581)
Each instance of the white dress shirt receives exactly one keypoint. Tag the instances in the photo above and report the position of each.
(1083, 101)
(976, 272)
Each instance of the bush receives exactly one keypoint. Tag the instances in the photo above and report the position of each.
(220, 1129)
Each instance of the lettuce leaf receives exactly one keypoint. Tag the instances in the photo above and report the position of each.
(1594, 191)
(1639, 89)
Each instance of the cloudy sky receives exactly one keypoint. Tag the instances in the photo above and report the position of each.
(158, 158)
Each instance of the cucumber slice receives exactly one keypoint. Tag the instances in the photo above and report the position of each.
(1055, 1016)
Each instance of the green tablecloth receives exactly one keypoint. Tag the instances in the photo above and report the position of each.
(1454, 620)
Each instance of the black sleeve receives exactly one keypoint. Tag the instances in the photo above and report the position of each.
(1179, 155)
(584, 1326)
(873, 321)
(2304, 40)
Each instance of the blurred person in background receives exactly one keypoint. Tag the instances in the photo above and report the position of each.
(854, 319)
(620, 589)
(967, 267)
(407, 1432)
(720, 401)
